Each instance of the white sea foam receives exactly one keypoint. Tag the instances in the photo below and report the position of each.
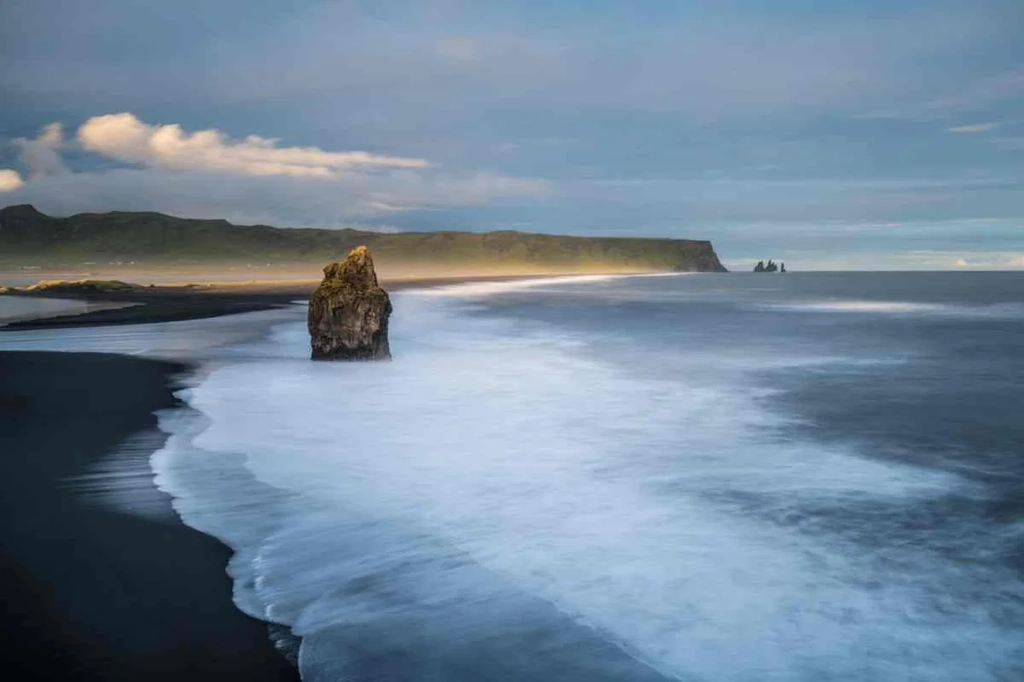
(993, 311)
(415, 499)
(480, 289)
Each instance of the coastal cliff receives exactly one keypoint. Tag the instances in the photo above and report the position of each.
(31, 238)
(349, 311)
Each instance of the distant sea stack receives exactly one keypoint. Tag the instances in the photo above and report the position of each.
(348, 312)
(770, 267)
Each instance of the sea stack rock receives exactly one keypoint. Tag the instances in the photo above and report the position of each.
(348, 312)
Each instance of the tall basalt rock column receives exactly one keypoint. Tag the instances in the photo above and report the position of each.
(348, 312)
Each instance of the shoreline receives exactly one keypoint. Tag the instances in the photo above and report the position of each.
(164, 608)
(92, 308)
(175, 303)
(94, 593)
(146, 599)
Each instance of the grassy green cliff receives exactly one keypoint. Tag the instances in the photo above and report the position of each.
(28, 237)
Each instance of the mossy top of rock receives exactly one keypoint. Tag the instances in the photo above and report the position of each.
(354, 274)
(357, 268)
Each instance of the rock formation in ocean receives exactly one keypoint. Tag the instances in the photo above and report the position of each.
(348, 312)
(770, 267)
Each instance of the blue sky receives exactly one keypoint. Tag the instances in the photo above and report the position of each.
(873, 135)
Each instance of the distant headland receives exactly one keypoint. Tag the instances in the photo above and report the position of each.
(142, 240)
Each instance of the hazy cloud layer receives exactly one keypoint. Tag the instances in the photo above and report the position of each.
(973, 128)
(285, 201)
(42, 155)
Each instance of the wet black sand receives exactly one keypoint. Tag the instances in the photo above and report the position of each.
(174, 303)
(166, 304)
(91, 594)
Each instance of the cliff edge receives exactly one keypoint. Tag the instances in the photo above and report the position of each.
(146, 239)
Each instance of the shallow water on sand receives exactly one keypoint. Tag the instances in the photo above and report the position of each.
(14, 308)
(717, 477)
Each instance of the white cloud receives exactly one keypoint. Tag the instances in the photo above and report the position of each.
(42, 155)
(973, 128)
(1015, 262)
(10, 180)
(125, 138)
(961, 263)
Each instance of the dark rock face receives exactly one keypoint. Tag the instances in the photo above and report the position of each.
(771, 267)
(348, 312)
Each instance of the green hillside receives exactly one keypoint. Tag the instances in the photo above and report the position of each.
(31, 238)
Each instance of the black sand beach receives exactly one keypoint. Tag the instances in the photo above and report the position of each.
(192, 302)
(166, 304)
(91, 594)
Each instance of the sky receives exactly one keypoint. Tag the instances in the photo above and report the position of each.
(881, 134)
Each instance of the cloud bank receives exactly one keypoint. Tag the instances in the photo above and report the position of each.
(206, 174)
(125, 138)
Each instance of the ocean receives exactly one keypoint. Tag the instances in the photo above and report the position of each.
(809, 476)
